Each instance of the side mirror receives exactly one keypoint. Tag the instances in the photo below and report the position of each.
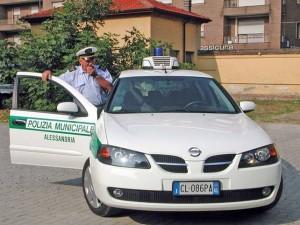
(67, 107)
(247, 106)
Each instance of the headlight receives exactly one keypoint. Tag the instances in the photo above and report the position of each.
(116, 156)
(259, 157)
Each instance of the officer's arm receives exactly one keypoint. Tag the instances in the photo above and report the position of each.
(104, 73)
(103, 83)
(108, 76)
(68, 77)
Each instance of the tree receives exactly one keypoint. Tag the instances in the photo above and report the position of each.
(136, 47)
(73, 27)
(9, 62)
(70, 28)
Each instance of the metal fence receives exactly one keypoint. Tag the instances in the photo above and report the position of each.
(11, 22)
(246, 38)
(236, 3)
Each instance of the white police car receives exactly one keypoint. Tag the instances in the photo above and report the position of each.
(167, 140)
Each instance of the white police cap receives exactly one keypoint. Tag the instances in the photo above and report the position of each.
(88, 51)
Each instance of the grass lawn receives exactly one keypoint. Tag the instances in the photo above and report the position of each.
(286, 111)
(281, 111)
(4, 114)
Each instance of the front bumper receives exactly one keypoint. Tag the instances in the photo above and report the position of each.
(151, 189)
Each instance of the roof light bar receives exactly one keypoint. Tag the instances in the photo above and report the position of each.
(160, 63)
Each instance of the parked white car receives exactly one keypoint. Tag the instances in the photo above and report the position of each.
(167, 140)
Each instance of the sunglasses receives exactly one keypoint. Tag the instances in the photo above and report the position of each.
(88, 58)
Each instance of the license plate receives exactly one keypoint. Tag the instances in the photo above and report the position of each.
(196, 188)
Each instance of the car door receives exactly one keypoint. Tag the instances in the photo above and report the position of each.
(39, 134)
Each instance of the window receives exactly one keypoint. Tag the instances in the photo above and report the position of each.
(37, 95)
(197, 1)
(57, 4)
(159, 94)
(187, 2)
(165, 1)
(16, 14)
(251, 31)
(202, 32)
(298, 30)
(16, 11)
(189, 57)
(34, 9)
(243, 3)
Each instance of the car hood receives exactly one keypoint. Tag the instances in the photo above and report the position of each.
(176, 133)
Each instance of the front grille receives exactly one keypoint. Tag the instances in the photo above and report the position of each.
(167, 196)
(161, 60)
(171, 163)
(217, 163)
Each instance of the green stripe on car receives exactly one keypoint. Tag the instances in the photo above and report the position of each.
(50, 125)
(95, 144)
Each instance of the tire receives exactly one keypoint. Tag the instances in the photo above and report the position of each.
(93, 202)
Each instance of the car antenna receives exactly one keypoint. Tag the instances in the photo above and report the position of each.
(165, 68)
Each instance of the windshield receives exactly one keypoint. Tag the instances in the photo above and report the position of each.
(170, 94)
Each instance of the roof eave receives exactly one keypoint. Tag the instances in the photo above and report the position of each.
(131, 12)
(36, 19)
(186, 17)
(166, 12)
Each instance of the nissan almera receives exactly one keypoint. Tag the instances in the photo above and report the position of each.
(174, 140)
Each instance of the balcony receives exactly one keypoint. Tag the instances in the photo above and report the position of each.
(247, 39)
(10, 25)
(16, 2)
(239, 8)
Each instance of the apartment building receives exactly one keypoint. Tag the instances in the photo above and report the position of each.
(12, 10)
(10, 13)
(242, 24)
(290, 25)
(48, 4)
(153, 19)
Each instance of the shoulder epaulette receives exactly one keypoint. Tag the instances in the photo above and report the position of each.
(72, 68)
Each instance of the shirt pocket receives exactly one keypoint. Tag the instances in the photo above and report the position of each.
(79, 84)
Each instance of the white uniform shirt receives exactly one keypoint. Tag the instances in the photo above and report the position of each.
(87, 85)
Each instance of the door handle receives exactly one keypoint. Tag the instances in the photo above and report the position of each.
(19, 122)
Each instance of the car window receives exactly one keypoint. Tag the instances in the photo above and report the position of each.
(37, 95)
(169, 94)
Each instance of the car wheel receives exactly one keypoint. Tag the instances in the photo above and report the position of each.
(97, 207)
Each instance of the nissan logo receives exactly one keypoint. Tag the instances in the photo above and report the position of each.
(194, 152)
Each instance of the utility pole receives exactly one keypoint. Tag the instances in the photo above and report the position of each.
(184, 32)
(190, 5)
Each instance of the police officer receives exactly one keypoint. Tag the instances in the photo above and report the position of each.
(89, 79)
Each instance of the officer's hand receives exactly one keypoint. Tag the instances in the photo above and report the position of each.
(46, 75)
(90, 69)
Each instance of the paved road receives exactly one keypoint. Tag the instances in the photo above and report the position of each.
(41, 196)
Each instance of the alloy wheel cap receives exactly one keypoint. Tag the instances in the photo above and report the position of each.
(89, 189)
